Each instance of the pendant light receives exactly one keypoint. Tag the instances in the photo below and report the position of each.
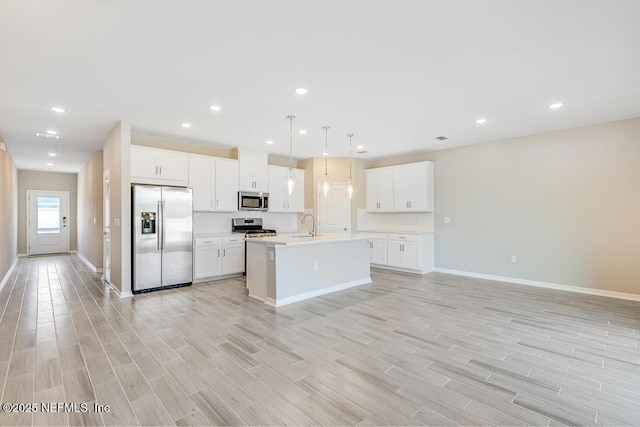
(326, 186)
(351, 188)
(291, 181)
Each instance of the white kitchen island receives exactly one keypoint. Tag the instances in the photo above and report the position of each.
(284, 270)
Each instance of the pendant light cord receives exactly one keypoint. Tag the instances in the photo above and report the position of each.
(291, 140)
(326, 137)
(350, 155)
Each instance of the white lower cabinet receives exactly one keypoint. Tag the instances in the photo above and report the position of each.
(232, 255)
(217, 256)
(378, 251)
(207, 258)
(406, 252)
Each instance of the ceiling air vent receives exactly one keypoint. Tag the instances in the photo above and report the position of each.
(362, 152)
(441, 138)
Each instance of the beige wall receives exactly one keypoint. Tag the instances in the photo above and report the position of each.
(567, 204)
(116, 158)
(51, 181)
(8, 212)
(90, 210)
(338, 169)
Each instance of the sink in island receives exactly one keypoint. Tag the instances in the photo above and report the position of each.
(284, 270)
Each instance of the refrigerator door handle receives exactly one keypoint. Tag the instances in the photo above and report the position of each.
(163, 224)
(159, 233)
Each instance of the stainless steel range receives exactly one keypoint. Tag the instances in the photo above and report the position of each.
(251, 228)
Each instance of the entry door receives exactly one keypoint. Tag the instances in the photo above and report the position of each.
(106, 234)
(48, 222)
(334, 210)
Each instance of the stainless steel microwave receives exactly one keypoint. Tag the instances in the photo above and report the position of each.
(248, 201)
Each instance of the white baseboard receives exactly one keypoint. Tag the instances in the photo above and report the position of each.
(22, 255)
(125, 294)
(86, 261)
(5, 279)
(538, 284)
(400, 269)
(312, 294)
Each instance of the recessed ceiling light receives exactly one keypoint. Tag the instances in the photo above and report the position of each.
(51, 132)
(52, 154)
(215, 107)
(269, 141)
(360, 147)
(186, 125)
(301, 91)
(556, 105)
(481, 121)
(302, 131)
(46, 135)
(325, 154)
(58, 109)
(49, 164)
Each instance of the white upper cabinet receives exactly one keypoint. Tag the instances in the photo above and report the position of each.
(413, 187)
(226, 178)
(403, 188)
(214, 182)
(279, 200)
(155, 166)
(379, 189)
(254, 171)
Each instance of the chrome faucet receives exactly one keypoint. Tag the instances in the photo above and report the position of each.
(313, 224)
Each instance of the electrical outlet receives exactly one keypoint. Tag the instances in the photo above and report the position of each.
(270, 255)
(514, 258)
(447, 220)
(315, 266)
(94, 221)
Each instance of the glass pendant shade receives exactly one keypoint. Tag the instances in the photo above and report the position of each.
(326, 186)
(290, 182)
(351, 190)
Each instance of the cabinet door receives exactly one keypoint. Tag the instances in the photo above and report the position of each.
(143, 163)
(372, 189)
(385, 192)
(401, 188)
(378, 251)
(173, 167)
(394, 253)
(418, 187)
(296, 200)
(245, 171)
(411, 255)
(200, 180)
(277, 195)
(226, 185)
(233, 259)
(207, 261)
(261, 172)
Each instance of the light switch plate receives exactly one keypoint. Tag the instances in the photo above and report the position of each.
(447, 220)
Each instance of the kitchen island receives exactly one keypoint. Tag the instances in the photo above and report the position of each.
(284, 270)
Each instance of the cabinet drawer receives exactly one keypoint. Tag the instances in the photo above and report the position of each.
(405, 237)
(208, 241)
(233, 239)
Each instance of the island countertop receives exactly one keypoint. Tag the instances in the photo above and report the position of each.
(308, 240)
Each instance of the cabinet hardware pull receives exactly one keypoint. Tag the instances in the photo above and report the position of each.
(160, 170)
(224, 252)
(218, 253)
(216, 203)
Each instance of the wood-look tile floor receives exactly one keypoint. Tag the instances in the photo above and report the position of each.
(406, 350)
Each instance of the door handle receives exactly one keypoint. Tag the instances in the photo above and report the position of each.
(163, 221)
(160, 226)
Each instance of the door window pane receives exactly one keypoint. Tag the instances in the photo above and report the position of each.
(48, 215)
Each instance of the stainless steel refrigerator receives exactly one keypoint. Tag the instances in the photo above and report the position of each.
(162, 237)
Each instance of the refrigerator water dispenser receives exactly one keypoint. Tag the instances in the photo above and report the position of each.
(148, 222)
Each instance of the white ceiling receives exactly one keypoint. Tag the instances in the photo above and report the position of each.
(395, 73)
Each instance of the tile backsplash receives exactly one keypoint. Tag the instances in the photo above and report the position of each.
(220, 222)
(395, 220)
